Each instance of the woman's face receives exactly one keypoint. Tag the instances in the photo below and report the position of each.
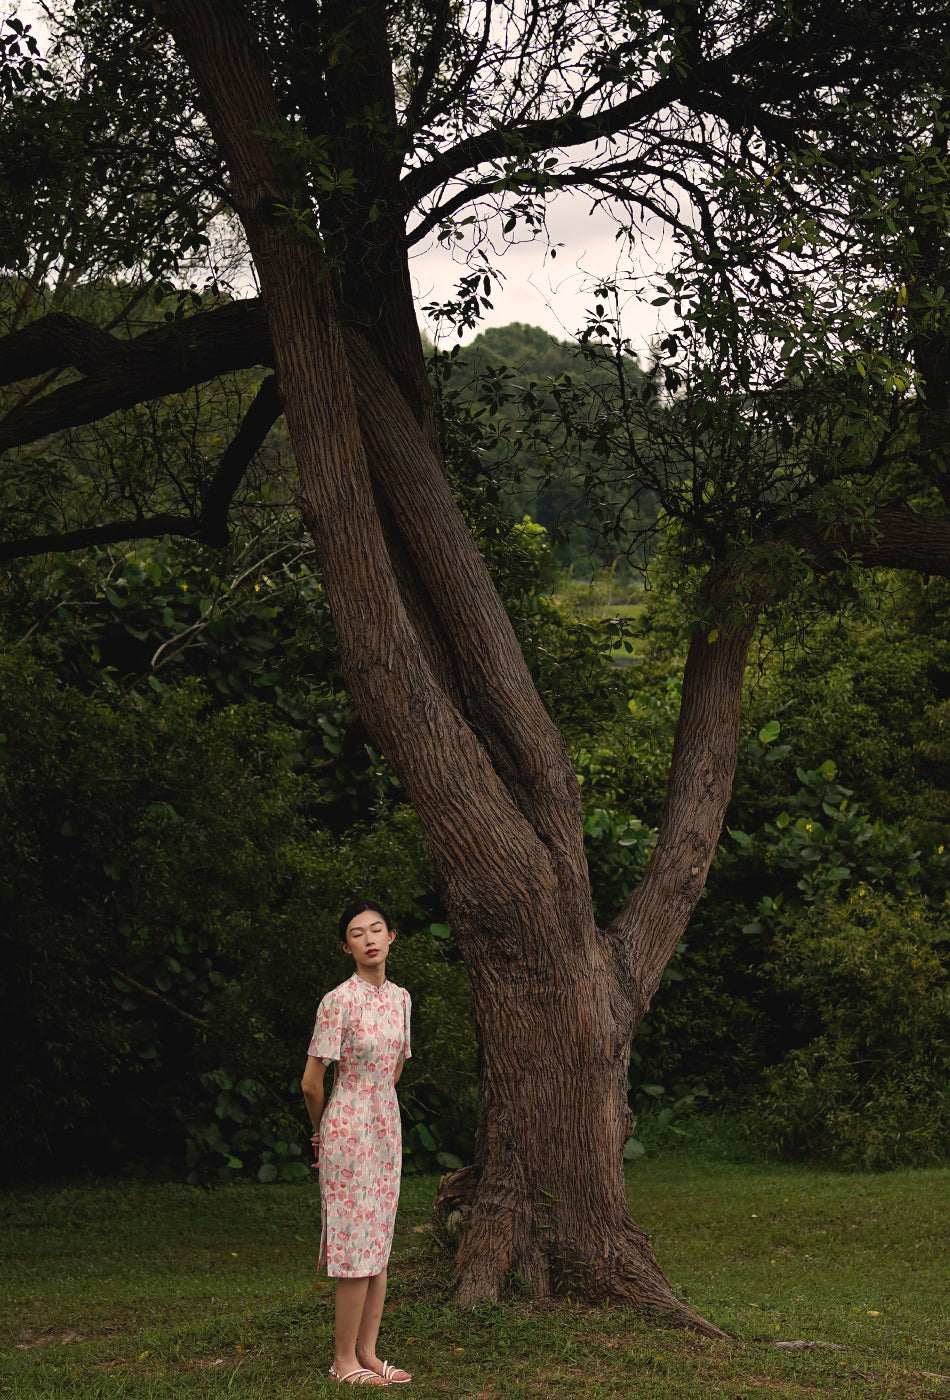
(368, 939)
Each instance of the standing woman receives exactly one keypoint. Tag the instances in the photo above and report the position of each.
(362, 1025)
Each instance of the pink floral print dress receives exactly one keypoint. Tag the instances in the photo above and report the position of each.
(365, 1029)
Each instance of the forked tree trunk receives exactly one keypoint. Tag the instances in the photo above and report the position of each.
(550, 1205)
(432, 663)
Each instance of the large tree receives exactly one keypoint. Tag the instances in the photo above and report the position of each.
(339, 135)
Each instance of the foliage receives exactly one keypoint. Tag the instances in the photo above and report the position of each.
(806, 858)
(67, 164)
(145, 894)
(157, 915)
(659, 1113)
(725, 1018)
(542, 413)
(618, 849)
(869, 686)
(801, 838)
(870, 1084)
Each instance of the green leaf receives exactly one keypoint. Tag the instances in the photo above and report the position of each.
(425, 1137)
(449, 1161)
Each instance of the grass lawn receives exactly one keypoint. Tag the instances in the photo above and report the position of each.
(168, 1291)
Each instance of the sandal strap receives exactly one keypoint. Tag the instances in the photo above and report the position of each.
(390, 1372)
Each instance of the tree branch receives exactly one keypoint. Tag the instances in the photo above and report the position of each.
(465, 76)
(119, 374)
(124, 373)
(416, 114)
(156, 996)
(894, 537)
(257, 423)
(545, 134)
(116, 532)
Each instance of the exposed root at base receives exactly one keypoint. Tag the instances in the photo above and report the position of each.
(629, 1276)
(683, 1316)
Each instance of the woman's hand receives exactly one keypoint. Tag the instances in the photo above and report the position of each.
(315, 1144)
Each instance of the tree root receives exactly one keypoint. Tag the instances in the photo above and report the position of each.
(631, 1277)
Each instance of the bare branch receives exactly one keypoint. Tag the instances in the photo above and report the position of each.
(467, 75)
(416, 112)
(120, 374)
(257, 423)
(548, 133)
(143, 527)
(156, 996)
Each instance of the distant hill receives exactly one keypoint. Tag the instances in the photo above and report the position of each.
(555, 477)
(522, 347)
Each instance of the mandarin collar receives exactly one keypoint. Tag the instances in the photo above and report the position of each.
(362, 982)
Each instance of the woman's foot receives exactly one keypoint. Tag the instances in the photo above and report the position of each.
(387, 1372)
(359, 1375)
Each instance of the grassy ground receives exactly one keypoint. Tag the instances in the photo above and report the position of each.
(167, 1292)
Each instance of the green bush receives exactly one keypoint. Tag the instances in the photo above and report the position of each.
(155, 872)
(869, 978)
(169, 907)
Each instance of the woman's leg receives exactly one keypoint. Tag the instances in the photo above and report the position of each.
(351, 1298)
(370, 1321)
(369, 1328)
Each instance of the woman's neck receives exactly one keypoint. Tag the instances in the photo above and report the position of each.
(376, 976)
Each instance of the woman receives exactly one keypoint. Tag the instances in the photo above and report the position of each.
(362, 1025)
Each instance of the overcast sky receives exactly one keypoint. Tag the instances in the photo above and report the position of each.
(557, 291)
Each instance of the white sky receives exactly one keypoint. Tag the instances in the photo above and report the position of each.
(554, 292)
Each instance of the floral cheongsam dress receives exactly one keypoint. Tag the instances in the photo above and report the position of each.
(365, 1029)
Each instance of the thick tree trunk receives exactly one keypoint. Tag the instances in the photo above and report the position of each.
(555, 1017)
(453, 708)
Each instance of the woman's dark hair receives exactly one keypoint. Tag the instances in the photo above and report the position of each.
(360, 906)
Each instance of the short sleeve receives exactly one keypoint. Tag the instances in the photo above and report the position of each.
(406, 1010)
(328, 1028)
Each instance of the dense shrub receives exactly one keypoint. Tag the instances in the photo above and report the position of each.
(870, 1084)
(169, 910)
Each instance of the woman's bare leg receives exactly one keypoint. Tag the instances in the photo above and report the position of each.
(369, 1324)
(351, 1301)
(370, 1321)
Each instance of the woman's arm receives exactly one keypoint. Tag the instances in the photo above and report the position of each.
(313, 1092)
